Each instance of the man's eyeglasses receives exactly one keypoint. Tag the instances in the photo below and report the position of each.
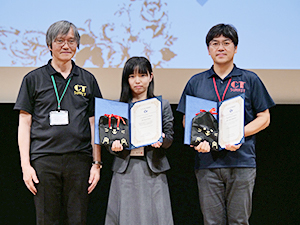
(62, 42)
(216, 44)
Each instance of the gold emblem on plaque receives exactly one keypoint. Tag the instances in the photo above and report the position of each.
(105, 140)
(199, 139)
(123, 141)
(214, 144)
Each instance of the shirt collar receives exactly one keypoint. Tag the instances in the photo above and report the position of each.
(52, 71)
(234, 73)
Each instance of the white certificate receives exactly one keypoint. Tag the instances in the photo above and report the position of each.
(146, 122)
(231, 121)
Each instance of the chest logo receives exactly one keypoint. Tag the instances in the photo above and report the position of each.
(80, 90)
(237, 86)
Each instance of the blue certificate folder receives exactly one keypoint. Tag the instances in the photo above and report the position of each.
(193, 106)
(105, 106)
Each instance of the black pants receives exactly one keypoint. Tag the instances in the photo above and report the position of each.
(62, 193)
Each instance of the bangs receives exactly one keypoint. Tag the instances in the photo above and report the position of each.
(136, 65)
(140, 69)
(64, 31)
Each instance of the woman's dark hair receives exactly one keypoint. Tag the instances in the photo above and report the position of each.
(226, 30)
(135, 65)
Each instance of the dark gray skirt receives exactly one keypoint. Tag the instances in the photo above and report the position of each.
(139, 197)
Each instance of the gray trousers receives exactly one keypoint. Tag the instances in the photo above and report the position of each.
(226, 195)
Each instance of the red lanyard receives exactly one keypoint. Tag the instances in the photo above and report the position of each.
(216, 89)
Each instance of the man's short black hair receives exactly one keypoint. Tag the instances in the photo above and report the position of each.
(226, 30)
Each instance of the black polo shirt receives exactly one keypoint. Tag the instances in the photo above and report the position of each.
(37, 97)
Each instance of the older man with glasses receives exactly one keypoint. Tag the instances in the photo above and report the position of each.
(60, 162)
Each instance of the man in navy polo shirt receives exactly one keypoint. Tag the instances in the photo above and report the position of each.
(226, 178)
(60, 162)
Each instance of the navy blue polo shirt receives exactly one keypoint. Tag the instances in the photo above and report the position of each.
(257, 100)
(37, 97)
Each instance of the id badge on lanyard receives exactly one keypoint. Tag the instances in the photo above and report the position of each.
(59, 117)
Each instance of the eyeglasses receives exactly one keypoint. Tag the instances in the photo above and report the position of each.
(216, 44)
(62, 42)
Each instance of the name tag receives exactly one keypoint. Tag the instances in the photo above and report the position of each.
(137, 151)
(59, 118)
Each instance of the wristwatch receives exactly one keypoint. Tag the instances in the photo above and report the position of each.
(99, 163)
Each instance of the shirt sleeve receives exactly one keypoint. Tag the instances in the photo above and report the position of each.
(25, 99)
(187, 91)
(260, 96)
(95, 93)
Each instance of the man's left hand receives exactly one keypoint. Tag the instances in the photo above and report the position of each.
(232, 148)
(94, 177)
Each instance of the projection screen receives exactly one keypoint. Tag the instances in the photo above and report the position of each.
(170, 33)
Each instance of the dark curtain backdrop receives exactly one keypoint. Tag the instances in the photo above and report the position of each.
(276, 194)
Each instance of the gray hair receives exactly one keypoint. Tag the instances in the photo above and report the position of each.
(61, 28)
